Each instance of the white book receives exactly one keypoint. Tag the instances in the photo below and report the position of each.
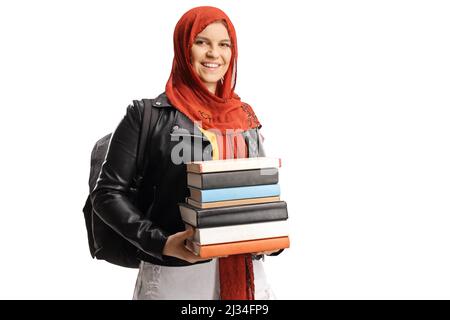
(232, 164)
(242, 232)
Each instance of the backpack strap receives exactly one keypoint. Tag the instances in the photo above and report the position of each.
(147, 127)
(142, 143)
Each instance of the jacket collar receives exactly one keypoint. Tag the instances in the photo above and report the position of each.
(181, 122)
(161, 101)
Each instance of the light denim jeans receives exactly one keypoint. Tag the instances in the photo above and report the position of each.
(196, 282)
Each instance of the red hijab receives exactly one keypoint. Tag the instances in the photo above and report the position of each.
(186, 91)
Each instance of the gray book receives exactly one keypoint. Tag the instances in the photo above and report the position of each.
(233, 215)
(226, 179)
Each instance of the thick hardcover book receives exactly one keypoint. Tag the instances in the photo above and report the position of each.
(233, 164)
(225, 216)
(241, 232)
(223, 194)
(216, 180)
(229, 203)
(226, 249)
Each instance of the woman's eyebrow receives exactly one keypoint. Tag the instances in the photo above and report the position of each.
(204, 38)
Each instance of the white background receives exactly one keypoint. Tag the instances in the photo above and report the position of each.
(352, 95)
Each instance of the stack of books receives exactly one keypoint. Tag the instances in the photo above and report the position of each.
(234, 207)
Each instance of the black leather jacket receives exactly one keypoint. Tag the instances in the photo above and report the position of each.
(156, 216)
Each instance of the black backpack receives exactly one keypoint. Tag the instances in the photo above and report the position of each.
(104, 242)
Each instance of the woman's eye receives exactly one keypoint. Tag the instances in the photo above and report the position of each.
(199, 42)
(226, 45)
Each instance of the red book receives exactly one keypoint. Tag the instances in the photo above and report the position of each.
(230, 248)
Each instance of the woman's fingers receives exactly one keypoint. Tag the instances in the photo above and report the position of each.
(183, 235)
(179, 250)
(266, 252)
(182, 251)
(191, 257)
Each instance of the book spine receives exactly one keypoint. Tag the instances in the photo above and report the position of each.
(223, 194)
(239, 178)
(241, 232)
(218, 217)
(225, 249)
(233, 164)
(230, 203)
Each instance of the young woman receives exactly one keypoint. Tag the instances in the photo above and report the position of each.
(199, 102)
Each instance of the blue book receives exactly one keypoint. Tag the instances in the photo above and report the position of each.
(223, 194)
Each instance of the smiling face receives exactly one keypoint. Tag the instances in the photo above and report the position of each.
(211, 54)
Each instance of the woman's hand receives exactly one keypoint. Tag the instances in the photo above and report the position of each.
(175, 247)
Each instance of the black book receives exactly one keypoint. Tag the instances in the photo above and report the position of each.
(240, 178)
(233, 215)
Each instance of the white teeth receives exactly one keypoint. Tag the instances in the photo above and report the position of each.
(210, 65)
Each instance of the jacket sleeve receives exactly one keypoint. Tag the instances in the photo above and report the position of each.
(110, 196)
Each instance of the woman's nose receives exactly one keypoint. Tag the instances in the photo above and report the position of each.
(212, 52)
